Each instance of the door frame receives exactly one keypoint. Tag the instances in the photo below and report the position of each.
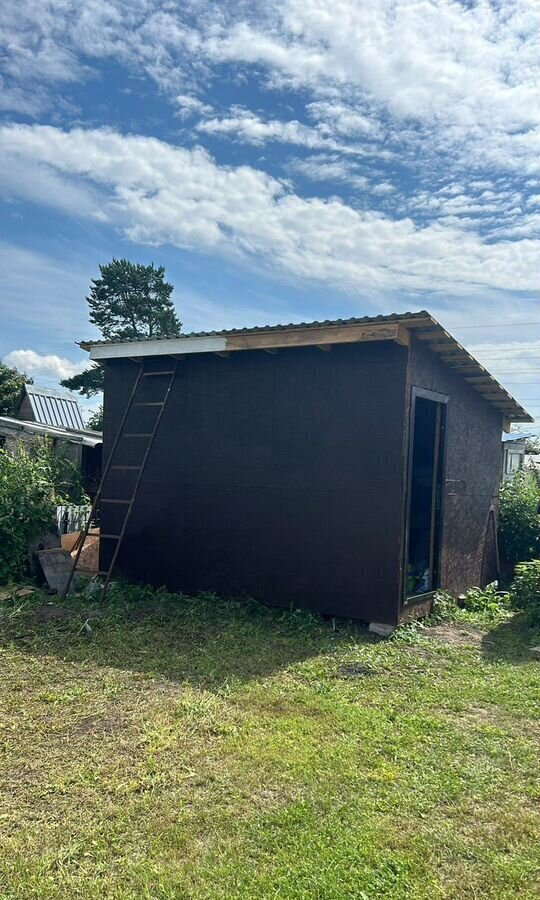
(438, 483)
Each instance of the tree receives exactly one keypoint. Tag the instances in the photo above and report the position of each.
(532, 445)
(95, 419)
(12, 383)
(128, 301)
(87, 383)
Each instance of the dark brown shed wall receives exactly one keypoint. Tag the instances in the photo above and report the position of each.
(276, 476)
(472, 476)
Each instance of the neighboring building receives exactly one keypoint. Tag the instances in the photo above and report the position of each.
(354, 482)
(49, 407)
(52, 413)
(513, 452)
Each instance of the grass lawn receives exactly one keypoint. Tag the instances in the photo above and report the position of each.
(195, 748)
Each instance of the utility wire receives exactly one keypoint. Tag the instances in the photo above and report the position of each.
(498, 325)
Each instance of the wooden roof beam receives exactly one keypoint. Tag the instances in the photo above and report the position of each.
(434, 332)
(449, 347)
(478, 378)
(319, 336)
(425, 322)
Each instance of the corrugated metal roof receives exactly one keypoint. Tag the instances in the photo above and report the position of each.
(52, 407)
(258, 329)
(86, 437)
(517, 436)
(421, 324)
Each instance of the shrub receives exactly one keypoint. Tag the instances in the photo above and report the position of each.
(525, 589)
(444, 609)
(519, 522)
(488, 601)
(27, 506)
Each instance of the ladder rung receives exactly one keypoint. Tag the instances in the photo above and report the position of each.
(150, 374)
(108, 500)
(146, 403)
(127, 467)
(116, 536)
(138, 434)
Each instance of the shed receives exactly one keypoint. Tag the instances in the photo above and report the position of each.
(514, 444)
(49, 406)
(47, 412)
(318, 464)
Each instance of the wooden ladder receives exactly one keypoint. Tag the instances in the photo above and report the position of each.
(112, 464)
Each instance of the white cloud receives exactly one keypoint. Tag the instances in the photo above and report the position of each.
(40, 365)
(190, 106)
(245, 125)
(328, 167)
(465, 74)
(345, 120)
(157, 194)
(473, 65)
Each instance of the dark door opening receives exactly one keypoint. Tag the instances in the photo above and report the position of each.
(424, 508)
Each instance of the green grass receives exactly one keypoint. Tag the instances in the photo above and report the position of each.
(196, 748)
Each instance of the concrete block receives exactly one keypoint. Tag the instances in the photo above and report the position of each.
(56, 565)
(381, 629)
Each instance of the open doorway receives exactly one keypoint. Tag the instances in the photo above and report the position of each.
(428, 416)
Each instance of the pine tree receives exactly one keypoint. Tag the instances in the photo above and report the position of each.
(128, 301)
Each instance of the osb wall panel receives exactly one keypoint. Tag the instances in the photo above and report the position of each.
(277, 476)
(472, 472)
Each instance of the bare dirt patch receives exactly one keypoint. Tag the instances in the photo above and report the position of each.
(51, 613)
(99, 725)
(456, 635)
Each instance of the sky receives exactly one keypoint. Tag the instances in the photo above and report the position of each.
(285, 161)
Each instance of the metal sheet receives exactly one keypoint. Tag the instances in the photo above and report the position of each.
(51, 407)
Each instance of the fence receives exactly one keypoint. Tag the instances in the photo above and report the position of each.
(72, 518)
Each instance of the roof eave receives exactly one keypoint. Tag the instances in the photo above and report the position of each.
(394, 327)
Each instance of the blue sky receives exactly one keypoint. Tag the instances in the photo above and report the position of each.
(285, 161)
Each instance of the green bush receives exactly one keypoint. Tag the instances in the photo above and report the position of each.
(488, 601)
(519, 522)
(27, 506)
(525, 589)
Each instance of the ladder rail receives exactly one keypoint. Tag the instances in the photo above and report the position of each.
(102, 480)
(163, 405)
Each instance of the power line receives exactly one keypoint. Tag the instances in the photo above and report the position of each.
(497, 325)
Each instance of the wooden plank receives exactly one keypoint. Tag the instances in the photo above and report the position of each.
(430, 333)
(507, 425)
(477, 379)
(449, 347)
(458, 356)
(425, 322)
(461, 367)
(331, 334)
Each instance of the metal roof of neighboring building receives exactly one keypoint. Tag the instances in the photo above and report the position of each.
(421, 324)
(73, 436)
(516, 436)
(52, 407)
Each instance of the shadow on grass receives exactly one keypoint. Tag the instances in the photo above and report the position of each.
(511, 641)
(201, 640)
